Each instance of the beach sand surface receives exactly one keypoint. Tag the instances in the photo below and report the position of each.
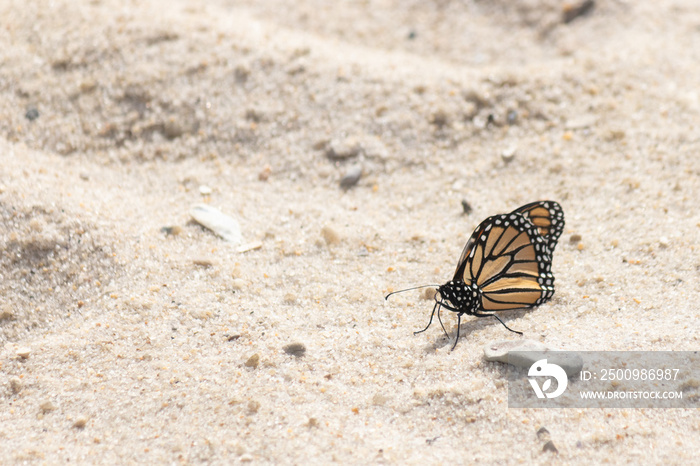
(130, 334)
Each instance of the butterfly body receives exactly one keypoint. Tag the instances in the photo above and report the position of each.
(506, 264)
(462, 298)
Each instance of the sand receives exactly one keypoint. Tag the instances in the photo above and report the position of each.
(124, 344)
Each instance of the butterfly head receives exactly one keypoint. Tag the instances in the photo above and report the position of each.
(461, 297)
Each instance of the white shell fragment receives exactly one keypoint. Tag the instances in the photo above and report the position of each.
(351, 177)
(218, 222)
(250, 246)
(511, 352)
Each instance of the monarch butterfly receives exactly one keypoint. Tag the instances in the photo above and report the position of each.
(506, 264)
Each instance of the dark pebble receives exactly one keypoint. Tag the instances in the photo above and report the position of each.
(253, 361)
(295, 349)
(466, 208)
(575, 238)
(549, 446)
(574, 10)
(32, 114)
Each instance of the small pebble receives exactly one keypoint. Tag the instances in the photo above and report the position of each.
(253, 361)
(466, 207)
(218, 222)
(173, 129)
(575, 238)
(238, 284)
(663, 242)
(24, 352)
(330, 236)
(573, 10)
(202, 314)
(205, 190)
(290, 298)
(543, 433)
(428, 294)
(264, 174)
(512, 117)
(202, 261)
(312, 422)
(6, 312)
(174, 230)
(379, 399)
(440, 118)
(47, 406)
(32, 114)
(514, 352)
(80, 422)
(343, 149)
(549, 446)
(351, 177)
(15, 384)
(253, 406)
(295, 349)
(508, 155)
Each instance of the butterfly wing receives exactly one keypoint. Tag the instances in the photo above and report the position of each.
(468, 247)
(509, 261)
(548, 217)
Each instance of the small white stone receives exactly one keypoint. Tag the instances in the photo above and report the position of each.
(205, 190)
(351, 177)
(24, 352)
(238, 284)
(509, 154)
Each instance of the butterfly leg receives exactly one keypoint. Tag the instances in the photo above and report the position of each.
(431, 319)
(459, 321)
(499, 319)
(441, 325)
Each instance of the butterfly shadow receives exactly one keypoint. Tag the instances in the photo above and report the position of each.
(470, 324)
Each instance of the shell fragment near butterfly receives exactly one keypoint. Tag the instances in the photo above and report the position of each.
(223, 225)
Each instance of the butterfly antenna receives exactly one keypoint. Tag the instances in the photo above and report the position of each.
(413, 288)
